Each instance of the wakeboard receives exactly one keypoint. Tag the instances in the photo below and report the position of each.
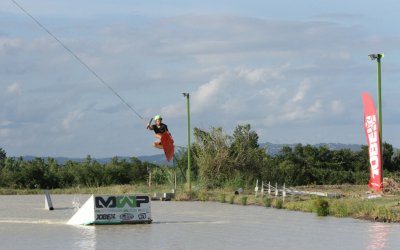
(168, 145)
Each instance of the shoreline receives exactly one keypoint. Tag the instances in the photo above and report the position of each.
(352, 203)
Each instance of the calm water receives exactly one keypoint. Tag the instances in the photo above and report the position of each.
(25, 224)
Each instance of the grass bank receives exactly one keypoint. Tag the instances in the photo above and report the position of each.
(353, 201)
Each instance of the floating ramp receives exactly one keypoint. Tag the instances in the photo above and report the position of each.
(113, 209)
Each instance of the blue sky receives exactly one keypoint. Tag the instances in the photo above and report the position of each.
(295, 73)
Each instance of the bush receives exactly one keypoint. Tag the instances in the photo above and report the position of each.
(278, 203)
(222, 198)
(186, 196)
(322, 207)
(267, 202)
(341, 210)
(244, 200)
(232, 199)
(384, 214)
(203, 196)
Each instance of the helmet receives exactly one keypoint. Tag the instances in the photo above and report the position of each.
(157, 117)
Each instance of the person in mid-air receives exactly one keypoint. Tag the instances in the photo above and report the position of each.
(159, 129)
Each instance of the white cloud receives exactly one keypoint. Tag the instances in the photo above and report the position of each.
(70, 121)
(4, 132)
(337, 107)
(9, 43)
(13, 90)
(208, 94)
(291, 104)
(174, 110)
(272, 95)
(5, 123)
(302, 91)
(315, 107)
(260, 75)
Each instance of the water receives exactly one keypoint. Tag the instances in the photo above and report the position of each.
(25, 224)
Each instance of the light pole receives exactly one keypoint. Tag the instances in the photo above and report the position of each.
(188, 145)
(378, 58)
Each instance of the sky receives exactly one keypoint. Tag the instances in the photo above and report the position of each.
(294, 73)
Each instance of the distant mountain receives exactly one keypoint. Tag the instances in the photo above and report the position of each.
(159, 159)
(274, 149)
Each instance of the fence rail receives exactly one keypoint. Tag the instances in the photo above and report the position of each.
(276, 190)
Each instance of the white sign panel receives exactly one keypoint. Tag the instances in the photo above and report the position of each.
(122, 209)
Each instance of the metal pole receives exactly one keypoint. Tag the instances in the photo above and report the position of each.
(380, 109)
(379, 97)
(378, 58)
(188, 146)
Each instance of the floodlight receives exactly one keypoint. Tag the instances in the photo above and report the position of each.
(375, 56)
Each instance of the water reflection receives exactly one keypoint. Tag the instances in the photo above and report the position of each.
(87, 238)
(378, 235)
(76, 204)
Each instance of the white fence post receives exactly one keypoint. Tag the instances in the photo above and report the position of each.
(284, 192)
(256, 188)
(262, 188)
(269, 188)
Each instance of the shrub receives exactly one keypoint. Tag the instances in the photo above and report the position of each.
(267, 202)
(278, 203)
(322, 207)
(232, 199)
(341, 210)
(203, 196)
(222, 198)
(186, 196)
(244, 200)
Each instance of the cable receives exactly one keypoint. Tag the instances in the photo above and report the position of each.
(77, 58)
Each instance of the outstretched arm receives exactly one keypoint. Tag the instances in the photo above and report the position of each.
(149, 127)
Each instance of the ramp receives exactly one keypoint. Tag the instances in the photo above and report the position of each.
(113, 209)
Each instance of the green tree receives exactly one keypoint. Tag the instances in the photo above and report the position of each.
(342, 159)
(12, 173)
(211, 151)
(245, 153)
(119, 171)
(33, 173)
(396, 161)
(361, 160)
(181, 164)
(139, 170)
(3, 157)
(93, 173)
(387, 155)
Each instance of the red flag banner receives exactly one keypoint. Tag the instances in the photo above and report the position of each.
(371, 127)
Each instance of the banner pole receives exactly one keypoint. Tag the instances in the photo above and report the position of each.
(380, 108)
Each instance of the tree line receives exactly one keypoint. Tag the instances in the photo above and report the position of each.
(218, 160)
(47, 173)
(222, 159)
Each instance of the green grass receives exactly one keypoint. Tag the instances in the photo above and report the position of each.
(222, 198)
(244, 200)
(232, 199)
